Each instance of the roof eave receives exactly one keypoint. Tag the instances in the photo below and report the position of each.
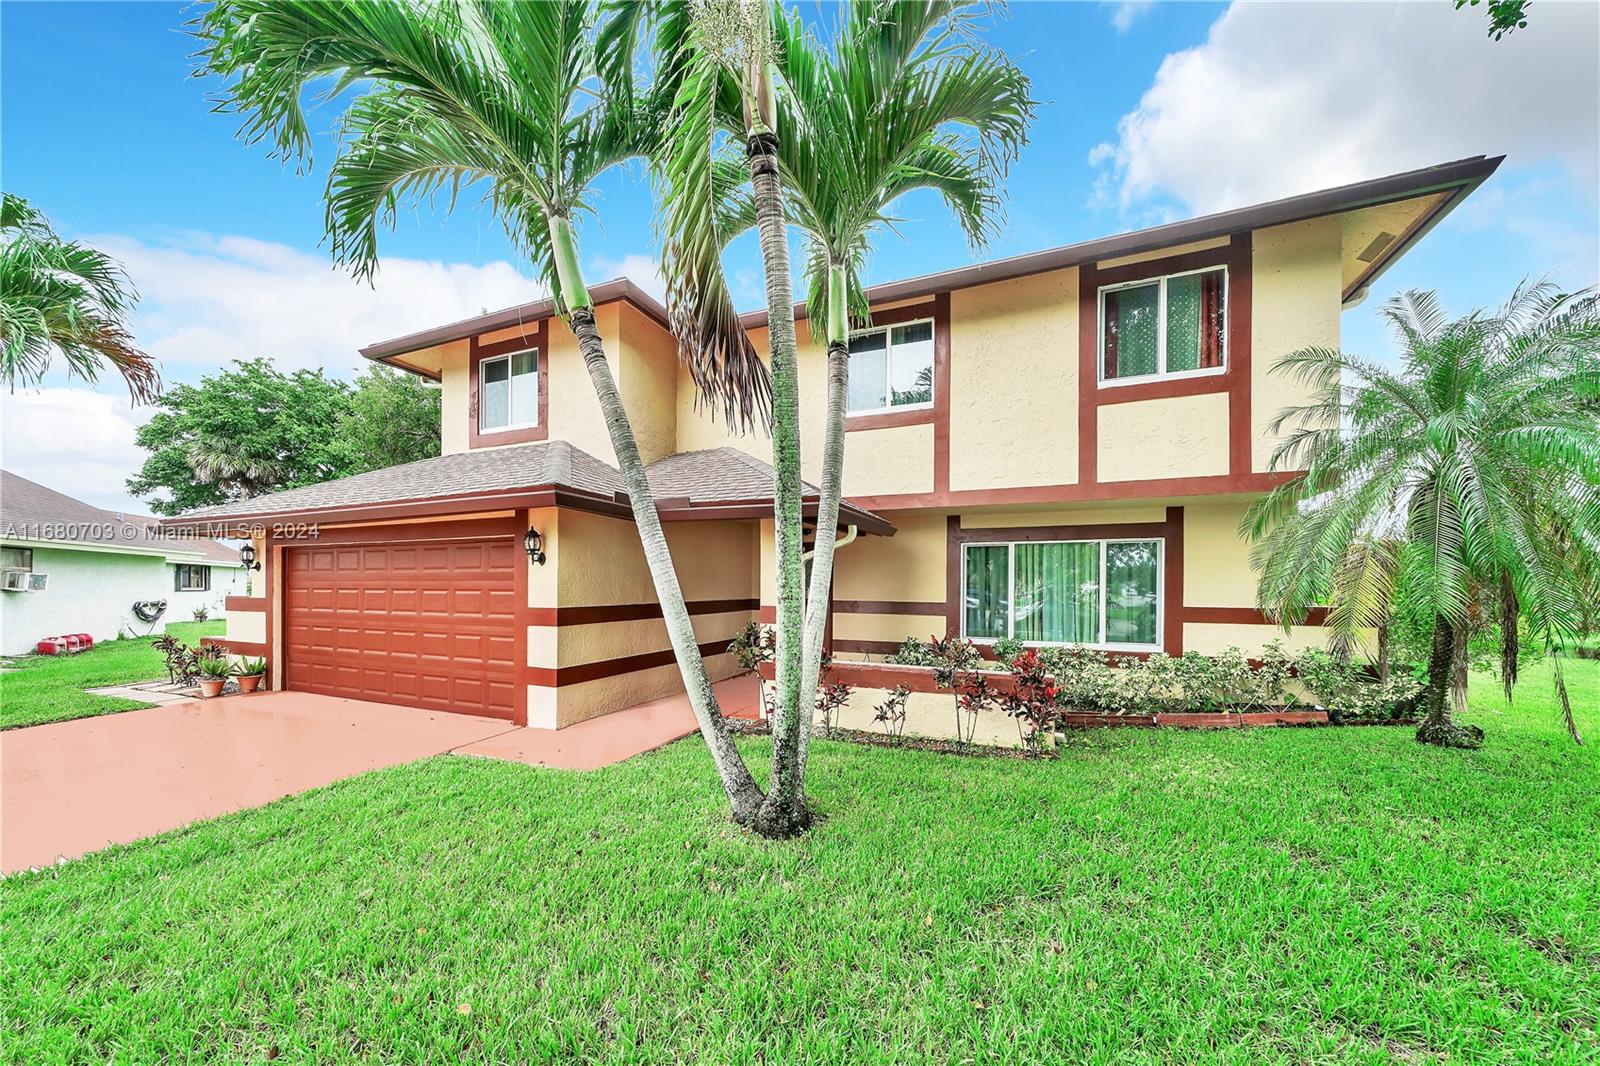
(1462, 175)
(523, 314)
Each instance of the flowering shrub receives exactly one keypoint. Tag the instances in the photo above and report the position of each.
(185, 663)
(753, 645)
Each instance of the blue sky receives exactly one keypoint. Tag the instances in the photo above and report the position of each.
(1150, 112)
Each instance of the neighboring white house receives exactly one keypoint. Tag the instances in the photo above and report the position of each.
(67, 567)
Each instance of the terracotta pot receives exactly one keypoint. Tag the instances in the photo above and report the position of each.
(210, 688)
(249, 682)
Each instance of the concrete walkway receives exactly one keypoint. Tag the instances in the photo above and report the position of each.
(612, 738)
(70, 788)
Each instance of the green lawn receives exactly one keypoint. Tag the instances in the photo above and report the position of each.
(1273, 895)
(47, 688)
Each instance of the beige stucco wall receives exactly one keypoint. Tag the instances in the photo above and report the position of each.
(928, 714)
(905, 568)
(1212, 638)
(899, 459)
(594, 560)
(1181, 436)
(647, 375)
(1014, 383)
(1295, 303)
(455, 396)
(247, 626)
(1216, 559)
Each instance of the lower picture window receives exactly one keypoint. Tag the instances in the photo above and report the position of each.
(1097, 592)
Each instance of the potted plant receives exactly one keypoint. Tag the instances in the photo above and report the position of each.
(214, 674)
(249, 672)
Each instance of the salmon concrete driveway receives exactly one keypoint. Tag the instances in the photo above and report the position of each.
(70, 788)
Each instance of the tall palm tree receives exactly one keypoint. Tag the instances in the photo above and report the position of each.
(62, 298)
(902, 98)
(507, 95)
(1470, 476)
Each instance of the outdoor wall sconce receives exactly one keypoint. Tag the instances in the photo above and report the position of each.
(534, 543)
(247, 557)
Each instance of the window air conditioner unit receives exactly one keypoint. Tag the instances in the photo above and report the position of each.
(14, 581)
(37, 582)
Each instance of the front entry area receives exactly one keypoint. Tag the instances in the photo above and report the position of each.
(426, 623)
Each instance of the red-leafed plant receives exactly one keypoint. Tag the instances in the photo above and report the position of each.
(973, 696)
(1033, 701)
(891, 713)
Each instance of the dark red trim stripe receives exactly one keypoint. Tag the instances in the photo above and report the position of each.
(887, 607)
(244, 603)
(558, 677)
(627, 612)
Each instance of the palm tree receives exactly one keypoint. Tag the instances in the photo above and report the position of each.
(507, 95)
(62, 298)
(1470, 477)
(903, 98)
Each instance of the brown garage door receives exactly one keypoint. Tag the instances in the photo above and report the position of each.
(427, 624)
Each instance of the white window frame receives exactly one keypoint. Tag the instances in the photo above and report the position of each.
(510, 389)
(27, 551)
(1162, 373)
(1011, 592)
(888, 367)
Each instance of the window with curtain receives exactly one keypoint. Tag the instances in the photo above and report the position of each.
(508, 391)
(1098, 592)
(891, 367)
(1164, 326)
(16, 559)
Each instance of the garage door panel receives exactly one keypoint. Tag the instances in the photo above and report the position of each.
(426, 624)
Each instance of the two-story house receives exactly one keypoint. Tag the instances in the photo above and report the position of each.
(1057, 447)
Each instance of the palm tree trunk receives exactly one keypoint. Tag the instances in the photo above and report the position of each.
(785, 811)
(1437, 726)
(832, 486)
(743, 793)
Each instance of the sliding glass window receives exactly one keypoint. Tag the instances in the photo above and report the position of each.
(1104, 593)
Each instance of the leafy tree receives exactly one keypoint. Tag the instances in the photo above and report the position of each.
(1505, 16)
(242, 432)
(392, 418)
(62, 298)
(462, 92)
(904, 97)
(1468, 481)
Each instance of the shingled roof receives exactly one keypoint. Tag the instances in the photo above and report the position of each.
(715, 482)
(30, 513)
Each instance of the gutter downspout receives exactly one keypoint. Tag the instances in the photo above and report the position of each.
(850, 533)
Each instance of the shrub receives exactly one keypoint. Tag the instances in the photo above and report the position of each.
(200, 614)
(249, 668)
(1349, 695)
(972, 697)
(830, 697)
(753, 645)
(891, 713)
(1034, 701)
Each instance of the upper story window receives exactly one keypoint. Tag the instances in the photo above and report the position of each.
(16, 559)
(1164, 327)
(508, 391)
(191, 577)
(1105, 593)
(891, 367)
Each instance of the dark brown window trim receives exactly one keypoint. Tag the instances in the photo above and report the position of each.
(938, 310)
(538, 339)
(1234, 380)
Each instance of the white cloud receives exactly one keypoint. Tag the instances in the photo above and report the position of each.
(642, 270)
(76, 441)
(1125, 14)
(206, 300)
(1288, 98)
